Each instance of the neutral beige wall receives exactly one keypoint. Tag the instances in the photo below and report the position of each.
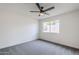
(69, 29)
(16, 26)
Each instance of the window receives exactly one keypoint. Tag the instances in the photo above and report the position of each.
(51, 26)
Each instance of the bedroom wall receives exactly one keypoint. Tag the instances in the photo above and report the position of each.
(16, 26)
(69, 29)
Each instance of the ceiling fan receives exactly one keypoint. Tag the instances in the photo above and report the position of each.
(41, 9)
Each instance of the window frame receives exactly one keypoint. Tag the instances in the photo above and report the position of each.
(51, 27)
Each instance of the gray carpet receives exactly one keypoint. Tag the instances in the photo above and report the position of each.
(38, 47)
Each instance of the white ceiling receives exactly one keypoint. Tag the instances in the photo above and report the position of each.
(24, 8)
(60, 8)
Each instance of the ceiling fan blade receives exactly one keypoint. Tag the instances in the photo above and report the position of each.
(38, 5)
(49, 9)
(34, 11)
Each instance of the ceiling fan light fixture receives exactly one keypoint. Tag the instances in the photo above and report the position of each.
(41, 14)
(42, 11)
